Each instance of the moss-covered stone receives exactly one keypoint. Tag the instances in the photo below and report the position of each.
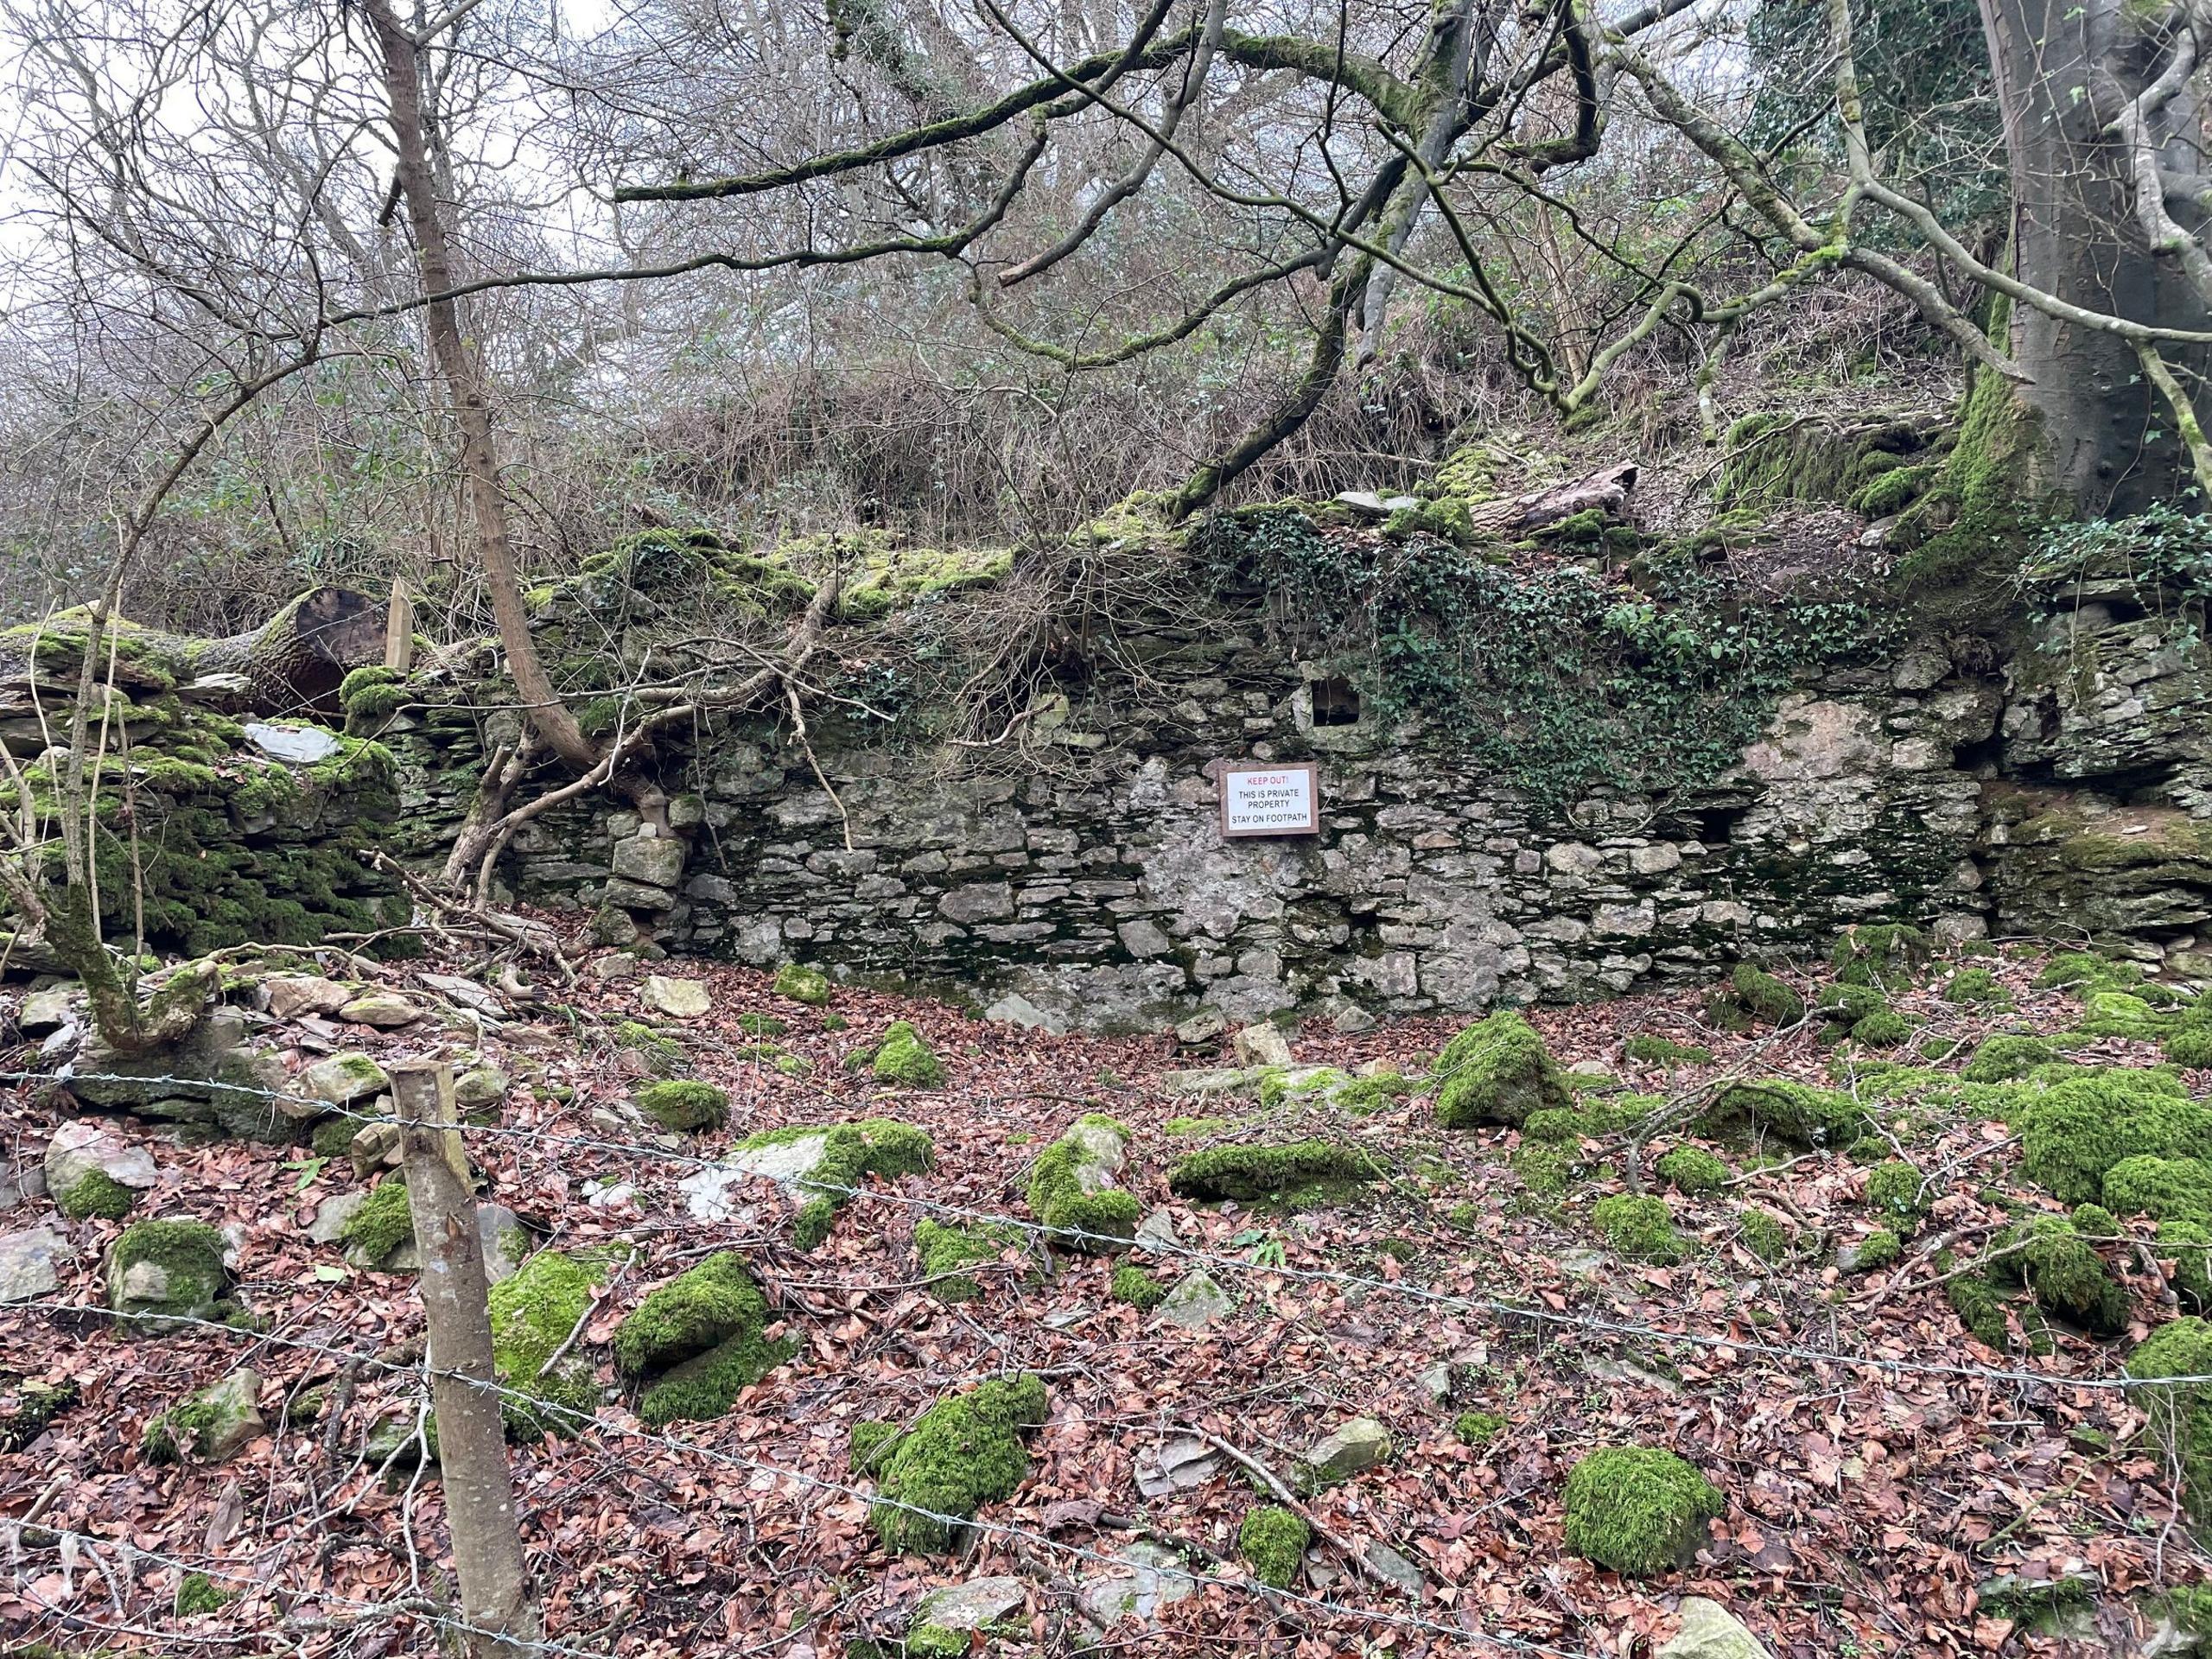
(1895, 1191)
(1799, 1113)
(1973, 987)
(946, 1251)
(1640, 1228)
(2063, 1273)
(1692, 1171)
(802, 984)
(2164, 1189)
(961, 1454)
(2190, 1046)
(198, 1594)
(2120, 1014)
(850, 1152)
(1750, 997)
(1133, 1285)
(701, 1308)
(2002, 1059)
(1638, 1509)
(904, 1058)
(1645, 1049)
(1477, 1428)
(96, 1193)
(1876, 1250)
(1762, 1235)
(684, 1104)
(2078, 1130)
(381, 1225)
(661, 1055)
(161, 1272)
(1887, 1029)
(1250, 1173)
(1887, 956)
(1979, 1305)
(2189, 1244)
(2181, 1417)
(532, 1314)
(1273, 1542)
(1071, 1189)
(1496, 1070)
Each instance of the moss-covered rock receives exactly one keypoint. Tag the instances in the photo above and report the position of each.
(197, 1595)
(850, 1152)
(1750, 997)
(1897, 1192)
(701, 1308)
(381, 1225)
(1886, 1029)
(2063, 1273)
(2078, 1130)
(1638, 1509)
(95, 1193)
(532, 1314)
(1870, 1253)
(2190, 1046)
(1133, 1285)
(1640, 1228)
(1496, 1070)
(946, 1252)
(1645, 1049)
(159, 1272)
(904, 1058)
(802, 984)
(209, 1424)
(657, 1053)
(2189, 1244)
(1250, 1173)
(1692, 1171)
(1801, 1114)
(2164, 1189)
(684, 1104)
(961, 1454)
(1273, 1542)
(1887, 956)
(1071, 1187)
(1762, 1235)
(2181, 1417)
(2120, 1014)
(1477, 1428)
(2003, 1058)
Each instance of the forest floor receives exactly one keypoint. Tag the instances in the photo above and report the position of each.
(1892, 1485)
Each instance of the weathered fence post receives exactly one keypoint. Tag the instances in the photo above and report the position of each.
(399, 628)
(497, 1597)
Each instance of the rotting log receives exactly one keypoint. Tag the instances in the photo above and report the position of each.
(294, 662)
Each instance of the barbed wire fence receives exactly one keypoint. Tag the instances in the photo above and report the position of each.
(432, 1140)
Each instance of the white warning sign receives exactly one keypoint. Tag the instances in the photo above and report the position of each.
(1270, 801)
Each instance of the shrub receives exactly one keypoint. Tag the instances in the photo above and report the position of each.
(684, 1105)
(2001, 1060)
(1496, 1070)
(1640, 1228)
(1692, 1171)
(1247, 1172)
(1648, 1050)
(2181, 1417)
(1895, 1189)
(1273, 1539)
(961, 1454)
(1883, 955)
(1638, 1509)
(903, 1058)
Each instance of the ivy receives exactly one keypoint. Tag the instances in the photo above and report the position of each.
(2163, 555)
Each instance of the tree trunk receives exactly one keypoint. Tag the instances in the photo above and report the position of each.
(2066, 70)
(463, 373)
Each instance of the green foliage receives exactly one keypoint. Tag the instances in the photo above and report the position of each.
(1799, 1113)
(1640, 1228)
(2181, 1417)
(383, 1223)
(1273, 1539)
(1247, 1172)
(945, 1250)
(1638, 1509)
(1692, 1171)
(1895, 1190)
(2001, 1060)
(1496, 1070)
(96, 1193)
(1477, 1428)
(961, 1454)
(904, 1058)
(1560, 678)
(2162, 554)
(1886, 955)
(1750, 996)
(1133, 1285)
(1649, 1050)
(684, 1104)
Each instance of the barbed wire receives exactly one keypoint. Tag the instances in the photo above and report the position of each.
(1534, 1313)
(542, 1407)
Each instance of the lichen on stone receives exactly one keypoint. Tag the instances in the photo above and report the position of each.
(684, 1104)
(1273, 1541)
(961, 1453)
(1638, 1509)
(1496, 1070)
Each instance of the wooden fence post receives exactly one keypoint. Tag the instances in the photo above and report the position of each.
(496, 1596)
(399, 628)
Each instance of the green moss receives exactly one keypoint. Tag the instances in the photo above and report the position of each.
(1245, 1173)
(2190, 1047)
(1638, 1509)
(1640, 1228)
(1883, 1030)
(944, 1251)
(190, 1256)
(1762, 1235)
(1547, 1168)
(2120, 1014)
(1198, 1126)
(196, 1594)
(851, 1153)
(1799, 1113)
(532, 1313)
(2000, 1059)
(683, 1104)
(1133, 1285)
(1099, 1219)
(2085, 971)
(1496, 1070)
(2063, 1273)
(1979, 1305)
(2181, 1417)
(1273, 1540)
(2077, 1130)
(1888, 494)
(904, 1058)
(333, 1137)
(96, 1193)
(1477, 1427)
(1877, 1250)
(383, 1223)
(1886, 955)
(1973, 524)
(1750, 997)
(1557, 1126)
(1896, 1190)
(961, 1454)
(701, 1308)
(1974, 986)
(2164, 1189)
(934, 1642)
(663, 1055)
(1648, 1050)
(869, 1442)
(1692, 1171)
(762, 1024)
(802, 984)
(2189, 1244)
(702, 1387)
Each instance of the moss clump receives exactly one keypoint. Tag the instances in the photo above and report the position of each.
(1896, 1190)
(1762, 1235)
(159, 1271)
(662, 1055)
(1273, 1540)
(904, 1058)
(2077, 1130)
(1886, 1029)
(1640, 1228)
(1477, 1427)
(850, 1152)
(2063, 1273)
(1974, 985)
(2085, 970)
(1069, 1188)
(802, 984)
(1692, 1171)
(2181, 1417)
(1885, 954)
(1245, 1173)
(1496, 1070)
(2002, 1059)
(2189, 1244)
(2120, 1014)
(1559, 1128)
(1750, 997)
(382, 1224)
(762, 1024)
(1648, 1050)
(1133, 1285)
(196, 1594)
(1638, 1509)
(532, 1313)
(96, 1193)
(37, 1404)
(1547, 1168)
(683, 1104)
(702, 1387)
(2190, 1047)
(961, 1454)
(1875, 1251)
(1979, 1305)
(944, 1251)
(1799, 1113)
(2164, 1189)
(701, 1308)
